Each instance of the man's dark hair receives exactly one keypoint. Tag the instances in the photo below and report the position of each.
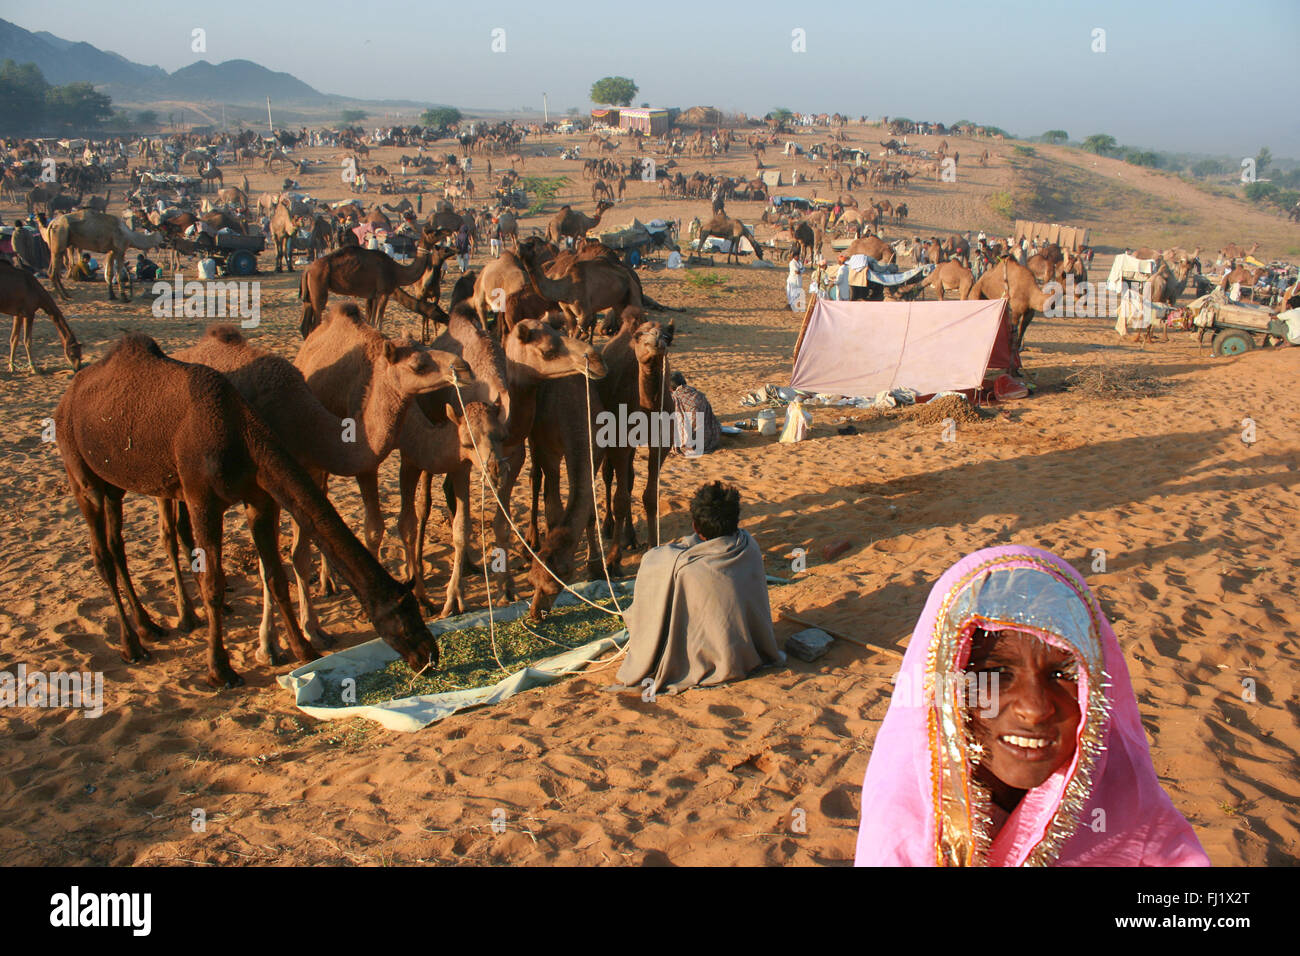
(715, 510)
(677, 379)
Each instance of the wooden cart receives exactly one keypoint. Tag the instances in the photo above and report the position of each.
(1235, 326)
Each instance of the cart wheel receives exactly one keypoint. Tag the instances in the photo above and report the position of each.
(241, 263)
(1232, 342)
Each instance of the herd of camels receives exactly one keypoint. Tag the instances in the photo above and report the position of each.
(223, 422)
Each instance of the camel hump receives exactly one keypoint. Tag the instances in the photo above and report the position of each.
(140, 344)
(224, 333)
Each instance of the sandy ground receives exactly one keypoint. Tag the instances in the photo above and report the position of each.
(1200, 582)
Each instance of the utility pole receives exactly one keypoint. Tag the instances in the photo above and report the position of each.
(546, 115)
(269, 125)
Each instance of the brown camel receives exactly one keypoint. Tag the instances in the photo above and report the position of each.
(1247, 277)
(587, 287)
(139, 421)
(732, 230)
(570, 223)
(316, 438)
(950, 276)
(872, 246)
(89, 231)
(1012, 281)
(1168, 284)
(22, 296)
(537, 355)
(375, 276)
(636, 379)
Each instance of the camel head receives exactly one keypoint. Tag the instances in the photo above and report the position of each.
(481, 433)
(415, 370)
(72, 352)
(651, 340)
(403, 629)
(544, 353)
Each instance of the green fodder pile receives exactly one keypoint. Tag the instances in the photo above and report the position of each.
(1113, 380)
(937, 411)
(466, 660)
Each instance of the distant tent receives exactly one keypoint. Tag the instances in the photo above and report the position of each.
(772, 178)
(865, 348)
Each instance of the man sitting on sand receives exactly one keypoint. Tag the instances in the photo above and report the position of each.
(701, 614)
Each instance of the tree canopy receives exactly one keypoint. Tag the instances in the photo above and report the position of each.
(613, 91)
(28, 103)
(1100, 143)
(440, 116)
(1055, 136)
(353, 116)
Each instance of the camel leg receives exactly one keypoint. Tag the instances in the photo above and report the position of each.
(13, 341)
(263, 516)
(268, 651)
(205, 515)
(327, 585)
(607, 528)
(414, 495)
(368, 486)
(449, 496)
(625, 472)
(460, 541)
(90, 492)
(379, 312)
(300, 553)
(187, 621)
(117, 547)
(650, 497)
(28, 322)
(500, 527)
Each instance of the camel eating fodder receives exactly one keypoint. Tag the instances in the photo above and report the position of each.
(22, 296)
(139, 421)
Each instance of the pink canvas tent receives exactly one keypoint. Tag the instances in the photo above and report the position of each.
(864, 348)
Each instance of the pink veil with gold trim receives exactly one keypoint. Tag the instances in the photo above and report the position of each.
(920, 804)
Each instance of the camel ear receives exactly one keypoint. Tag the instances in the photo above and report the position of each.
(452, 414)
(390, 351)
(670, 330)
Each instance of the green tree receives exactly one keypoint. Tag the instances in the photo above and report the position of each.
(613, 91)
(780, 115)
(1139, 157)
(1262, 160)
(22, 96)
(77, 105)
(440, 116)
(1100, 143)
(146, 118)
(1055, 136)
(1209, 167)
(353, 116)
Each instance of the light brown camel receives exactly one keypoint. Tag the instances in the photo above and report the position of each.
(284, 228)
(1232, 252)
(89, 231)
(22, 296)
(950, 276)
(1246, 276)
(316, 438)
(234, 196)
(733, 230)
(570, 223)
(139, 421)
(343, 359)
(1010, 280)
(872, 246)
(587, 287)
(375, 276)
(636, 379)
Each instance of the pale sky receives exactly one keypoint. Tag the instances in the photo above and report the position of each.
(1190, 75)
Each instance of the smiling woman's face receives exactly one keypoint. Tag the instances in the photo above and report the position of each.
(1034, 731)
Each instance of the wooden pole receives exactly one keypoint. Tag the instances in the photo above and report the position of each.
(807, 314)
(795, 619)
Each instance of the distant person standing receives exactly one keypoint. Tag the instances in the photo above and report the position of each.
(462, 248)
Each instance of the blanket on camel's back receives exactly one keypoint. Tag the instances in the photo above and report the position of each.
(700, 615)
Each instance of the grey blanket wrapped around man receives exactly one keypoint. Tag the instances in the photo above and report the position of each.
(700, 615)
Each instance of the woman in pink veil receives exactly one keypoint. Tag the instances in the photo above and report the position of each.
(1013, 736)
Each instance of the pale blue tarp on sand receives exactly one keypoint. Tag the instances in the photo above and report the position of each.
(311, 682)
